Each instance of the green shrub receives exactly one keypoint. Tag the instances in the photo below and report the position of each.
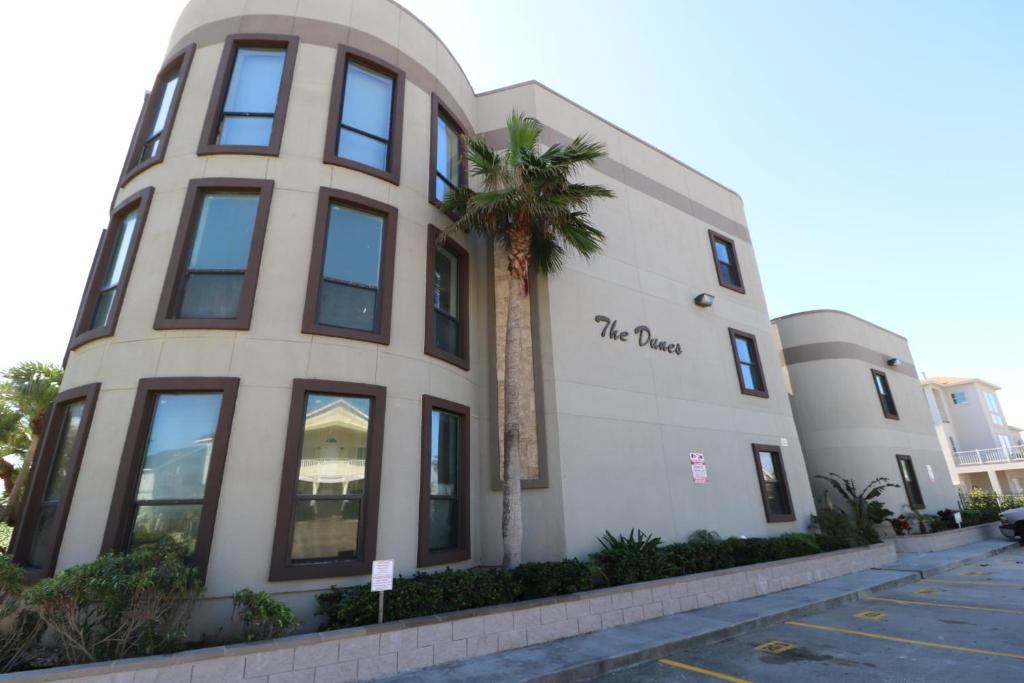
(830, 543)
(980, 499)
(972, 517)
(541, 579)
(120, 605)
(262, 616)
(628, 559)
(6, 531)
(20, 629)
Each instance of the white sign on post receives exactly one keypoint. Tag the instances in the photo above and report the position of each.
(698, 469)
(383, 575)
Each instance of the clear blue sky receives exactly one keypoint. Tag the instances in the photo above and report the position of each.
(878, 145)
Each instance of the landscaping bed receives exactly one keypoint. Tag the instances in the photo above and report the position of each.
(944, 540)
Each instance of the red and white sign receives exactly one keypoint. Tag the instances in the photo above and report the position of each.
(698, 469)
(931, 473)
(383, 575)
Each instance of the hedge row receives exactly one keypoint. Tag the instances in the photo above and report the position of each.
(622, 560)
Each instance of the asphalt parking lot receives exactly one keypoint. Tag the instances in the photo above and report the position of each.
(966, 624)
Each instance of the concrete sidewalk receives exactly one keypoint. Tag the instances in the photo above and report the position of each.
(583, 657)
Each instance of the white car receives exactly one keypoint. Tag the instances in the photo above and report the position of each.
(1011, 523)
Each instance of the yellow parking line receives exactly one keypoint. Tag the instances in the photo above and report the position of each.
(925, 603)
(909, 641)
(997, 584)
(706, 672)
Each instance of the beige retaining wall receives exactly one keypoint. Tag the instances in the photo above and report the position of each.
(944, 540)
(363, 653)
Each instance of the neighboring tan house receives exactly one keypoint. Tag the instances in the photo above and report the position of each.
(983, 450)
(859, 410)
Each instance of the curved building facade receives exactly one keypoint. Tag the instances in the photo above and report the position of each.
(859, 409)
(278, 363)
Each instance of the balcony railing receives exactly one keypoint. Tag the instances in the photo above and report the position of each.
(989, 456)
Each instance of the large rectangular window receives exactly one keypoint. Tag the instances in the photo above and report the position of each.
(748, 364)
(327, 511)
(169, 482)
(727, 265)
(250, 96)
(447, 170)
(149, 144)
(444, 483)
(104, 291)
(351, 269)
(447, 314)
(215, 261)
(910, 483)
(771, 476)
(364, 129)
(52, 484)
(885, 395)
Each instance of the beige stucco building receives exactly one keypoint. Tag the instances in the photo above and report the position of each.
(277, 363)
(983, 450)
(859, 410)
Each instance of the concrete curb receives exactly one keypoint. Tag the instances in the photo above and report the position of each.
(926, 569)
(663, 649)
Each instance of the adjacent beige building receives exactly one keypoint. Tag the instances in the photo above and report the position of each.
(277, 363)
(982, 449)
(859, 410)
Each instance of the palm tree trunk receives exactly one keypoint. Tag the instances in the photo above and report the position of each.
(511, 499)
(15, 496)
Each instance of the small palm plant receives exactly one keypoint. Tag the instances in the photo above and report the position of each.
(863, 506)
(530, 206)
(31, 386)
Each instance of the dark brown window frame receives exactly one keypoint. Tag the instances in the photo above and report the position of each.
(181, 251)
(211, 124)
(731, 244)
(139, 201)
(21, 544)
(329, 195)
(394, 163)
(769, 515)
(281, 568)
(463, 550)
(733, 334)
(894, 414)
(438, 108)
(461, 359)
(119, 519)
(917, 482)
(180, 62)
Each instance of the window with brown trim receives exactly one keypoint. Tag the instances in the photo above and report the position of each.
(215, 261)
(909, 476)
(364, 126)
(168, 484)
(748, 364)
(149, 144)
(447, 309)
(771, 477)
(51, 487)
(444, 483)
(330, 482)
(108, 278)
(447, 163)
(250, 96)
(884, 395)
(727, 265)
(351, 269)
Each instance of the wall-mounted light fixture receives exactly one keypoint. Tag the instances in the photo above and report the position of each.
(894, 362)
(704, 300)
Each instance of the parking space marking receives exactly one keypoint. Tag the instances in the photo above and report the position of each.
(997, 584)
(774, 647)
(707, 672)
(908, 641)
(870, 614)
(928, 591)
(1001, 610)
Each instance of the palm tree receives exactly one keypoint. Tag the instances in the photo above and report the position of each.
(530, 207)
(32, 386)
